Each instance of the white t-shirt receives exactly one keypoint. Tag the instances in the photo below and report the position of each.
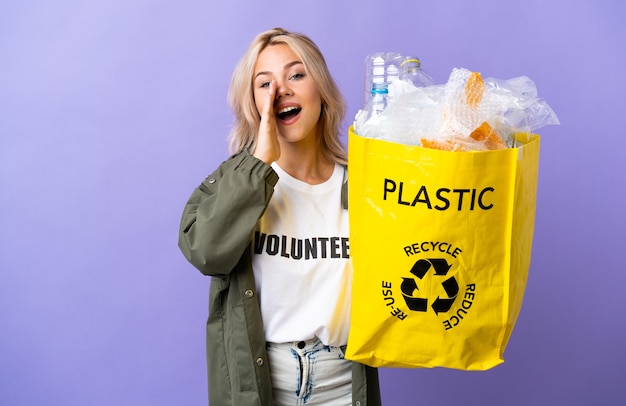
(301, 261)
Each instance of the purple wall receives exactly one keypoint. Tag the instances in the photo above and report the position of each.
(111, 112)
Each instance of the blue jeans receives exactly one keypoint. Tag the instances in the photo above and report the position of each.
(309, 373)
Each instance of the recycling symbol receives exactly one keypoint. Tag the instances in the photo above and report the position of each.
(410, 289)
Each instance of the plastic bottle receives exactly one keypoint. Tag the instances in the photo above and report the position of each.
(379, 99)
(380, 67)
(411, 71)
(366, 120)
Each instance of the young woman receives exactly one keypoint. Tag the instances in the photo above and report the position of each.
(270, 227)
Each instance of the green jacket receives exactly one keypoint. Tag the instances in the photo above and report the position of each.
(215, 236)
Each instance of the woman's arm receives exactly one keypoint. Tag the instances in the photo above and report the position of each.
(222, 212)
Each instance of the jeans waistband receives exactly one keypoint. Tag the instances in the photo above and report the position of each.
(311, 344)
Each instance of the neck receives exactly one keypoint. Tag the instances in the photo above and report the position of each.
(308, 165)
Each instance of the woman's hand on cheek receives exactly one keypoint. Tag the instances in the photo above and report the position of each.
(267, 146)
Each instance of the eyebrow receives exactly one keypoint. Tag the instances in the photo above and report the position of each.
(287, 66)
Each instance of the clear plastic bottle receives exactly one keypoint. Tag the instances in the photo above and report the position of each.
(411, 71)
(380, 67)
(379, 99)
(367, 119)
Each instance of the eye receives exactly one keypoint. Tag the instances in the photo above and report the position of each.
(297, 76)
(264, 84)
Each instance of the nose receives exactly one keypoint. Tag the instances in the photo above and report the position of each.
(283, 88)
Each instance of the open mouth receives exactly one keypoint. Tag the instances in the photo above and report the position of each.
(289, 112)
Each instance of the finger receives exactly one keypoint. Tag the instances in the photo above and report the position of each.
(267, 113)
(271, 93)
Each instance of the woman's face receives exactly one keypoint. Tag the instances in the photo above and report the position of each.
(297, 104)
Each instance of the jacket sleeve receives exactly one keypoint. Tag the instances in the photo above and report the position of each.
(219, 218)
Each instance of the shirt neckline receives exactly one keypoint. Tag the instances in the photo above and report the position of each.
(336, 178)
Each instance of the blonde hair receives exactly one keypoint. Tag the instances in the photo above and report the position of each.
(241, 97)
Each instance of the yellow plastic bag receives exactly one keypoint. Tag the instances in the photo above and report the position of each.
(440, 243)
